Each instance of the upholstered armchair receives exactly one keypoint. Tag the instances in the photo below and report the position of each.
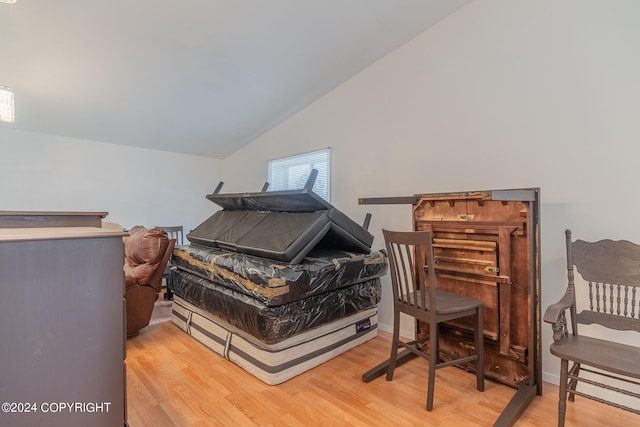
(146, 253)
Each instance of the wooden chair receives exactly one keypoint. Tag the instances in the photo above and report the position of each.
(611, 273)
(413, 275)
(176, 233)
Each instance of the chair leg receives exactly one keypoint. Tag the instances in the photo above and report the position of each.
(575, 371)
(168, 295)
(562, 401)
(394, 345)
(434, 354)
(479, 342)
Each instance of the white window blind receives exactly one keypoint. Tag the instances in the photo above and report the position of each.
(291, 173)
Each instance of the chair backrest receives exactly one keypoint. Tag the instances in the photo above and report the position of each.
(410, 253)
(147, 252)
(174, 232)
(611, 271)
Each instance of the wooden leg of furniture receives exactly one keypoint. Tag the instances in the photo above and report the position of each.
(394, 345)
(574, 372)
(403, 357)
(518, 404)
(433, 361)
(562, 401)
(479, 343)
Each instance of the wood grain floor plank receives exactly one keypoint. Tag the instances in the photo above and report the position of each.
(174, 381)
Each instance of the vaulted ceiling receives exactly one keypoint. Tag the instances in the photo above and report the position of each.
(202, 77)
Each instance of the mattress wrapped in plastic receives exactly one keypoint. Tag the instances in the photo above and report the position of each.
(279, 225)
(277, 282)
(275, 363)
(271, 324)
(273, 283)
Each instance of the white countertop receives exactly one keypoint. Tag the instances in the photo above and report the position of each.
(47, 233)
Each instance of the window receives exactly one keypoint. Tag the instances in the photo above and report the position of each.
(291, 173)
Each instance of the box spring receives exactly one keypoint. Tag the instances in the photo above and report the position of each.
(279, 362)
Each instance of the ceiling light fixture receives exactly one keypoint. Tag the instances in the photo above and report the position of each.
(8, 1)
(7, 107)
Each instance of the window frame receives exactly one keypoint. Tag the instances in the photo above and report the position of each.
(301, 160)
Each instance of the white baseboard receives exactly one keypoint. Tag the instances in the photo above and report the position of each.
(409, 334)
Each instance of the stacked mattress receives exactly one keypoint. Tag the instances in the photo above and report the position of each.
(277, 282)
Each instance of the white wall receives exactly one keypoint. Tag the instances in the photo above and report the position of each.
(502, 94)
(135, 185)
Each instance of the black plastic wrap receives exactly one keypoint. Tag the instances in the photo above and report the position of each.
(274, 324)
(274, 284)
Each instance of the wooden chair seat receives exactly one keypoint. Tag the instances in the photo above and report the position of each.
(447, 303)
(611, 356)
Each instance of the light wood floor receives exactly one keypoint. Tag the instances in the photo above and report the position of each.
(172, 380)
